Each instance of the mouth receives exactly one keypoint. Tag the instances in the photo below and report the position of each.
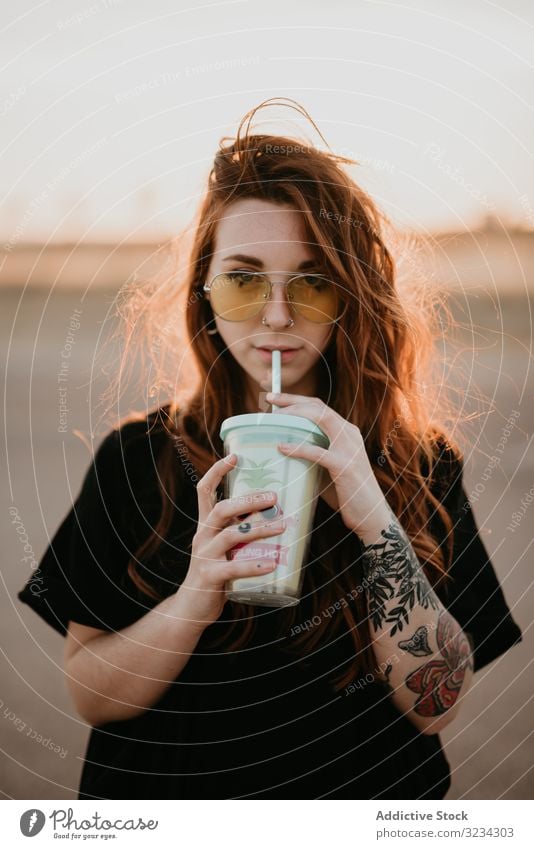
(272, 348)
(287, 354)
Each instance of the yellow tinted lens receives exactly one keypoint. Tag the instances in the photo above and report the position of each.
(316, 298)
(236, 296)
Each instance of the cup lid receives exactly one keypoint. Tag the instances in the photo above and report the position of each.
(270, 419)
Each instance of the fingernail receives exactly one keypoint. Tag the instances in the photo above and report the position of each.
(229, 458)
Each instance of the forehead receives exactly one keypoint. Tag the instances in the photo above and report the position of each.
(263, 229)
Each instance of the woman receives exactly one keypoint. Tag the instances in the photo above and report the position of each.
(191, 695)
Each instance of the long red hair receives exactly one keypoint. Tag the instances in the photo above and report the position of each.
(383, 347)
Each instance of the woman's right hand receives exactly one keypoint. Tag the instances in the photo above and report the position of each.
(202, 591)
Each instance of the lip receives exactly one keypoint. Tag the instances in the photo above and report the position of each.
(277, 347)
(287, 355)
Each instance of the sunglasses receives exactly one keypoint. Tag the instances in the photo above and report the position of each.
(240, 295)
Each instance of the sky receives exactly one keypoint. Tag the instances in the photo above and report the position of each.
(112, 110)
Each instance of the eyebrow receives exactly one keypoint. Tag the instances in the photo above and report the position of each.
(252, 260)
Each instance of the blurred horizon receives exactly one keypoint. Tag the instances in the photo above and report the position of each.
(490, 259)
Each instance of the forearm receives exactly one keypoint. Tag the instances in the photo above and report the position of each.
(120, 675)
(425, 653)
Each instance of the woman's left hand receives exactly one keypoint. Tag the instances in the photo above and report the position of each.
(348, 482)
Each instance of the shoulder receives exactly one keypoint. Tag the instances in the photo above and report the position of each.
(444, 469)
(139, 434)
(125, 462)
(448, 456)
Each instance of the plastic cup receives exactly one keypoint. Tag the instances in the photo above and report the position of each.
(261, 467)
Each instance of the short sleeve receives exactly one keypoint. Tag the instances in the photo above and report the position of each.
(82, 575)
(474, 594)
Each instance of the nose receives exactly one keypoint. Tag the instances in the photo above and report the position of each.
(277, 311)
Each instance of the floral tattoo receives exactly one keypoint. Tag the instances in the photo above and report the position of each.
(394, 574)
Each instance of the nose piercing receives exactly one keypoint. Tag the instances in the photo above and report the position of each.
(264, 321)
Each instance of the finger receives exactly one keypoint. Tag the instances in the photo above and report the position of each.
(245, 568)
(288, 396)
(248, 530)
(208, 483)
(305, 451)
(319, 415)
(240, 506)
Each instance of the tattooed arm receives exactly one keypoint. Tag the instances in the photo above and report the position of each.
(433, 663)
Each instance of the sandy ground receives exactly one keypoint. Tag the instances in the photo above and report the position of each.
(488, 745)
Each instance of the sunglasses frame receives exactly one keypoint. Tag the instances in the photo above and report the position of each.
(207, 288)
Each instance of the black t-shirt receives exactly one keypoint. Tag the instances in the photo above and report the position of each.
(253, 723)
